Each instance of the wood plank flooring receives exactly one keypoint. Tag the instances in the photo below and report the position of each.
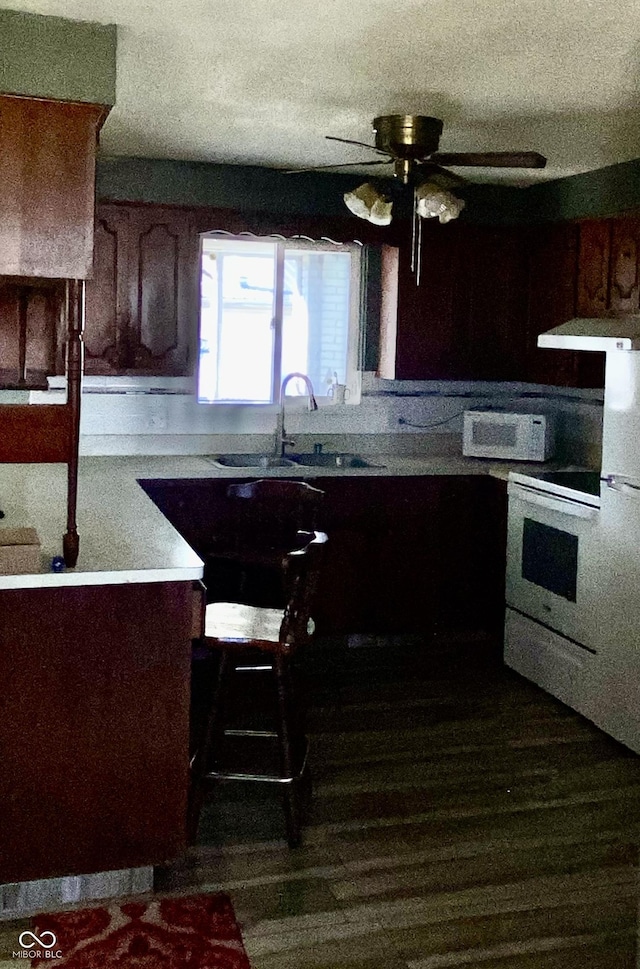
(460, 817)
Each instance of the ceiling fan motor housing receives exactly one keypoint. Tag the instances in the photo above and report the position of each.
(407, 136)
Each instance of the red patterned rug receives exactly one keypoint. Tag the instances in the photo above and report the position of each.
(195, 932)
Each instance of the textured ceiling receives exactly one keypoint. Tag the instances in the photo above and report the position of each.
(261, 82)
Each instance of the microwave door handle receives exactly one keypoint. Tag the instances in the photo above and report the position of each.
(555, 504)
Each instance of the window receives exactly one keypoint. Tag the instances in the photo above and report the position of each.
(269, 307)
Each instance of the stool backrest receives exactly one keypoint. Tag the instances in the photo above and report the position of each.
(302, 569)
(270, 511)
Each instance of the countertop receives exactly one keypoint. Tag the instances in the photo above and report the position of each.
(123, 535)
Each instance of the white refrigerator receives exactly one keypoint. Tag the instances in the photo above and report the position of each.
(617, 702)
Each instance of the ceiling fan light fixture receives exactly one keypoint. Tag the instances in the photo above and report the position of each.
(433, 201)
(368, 203)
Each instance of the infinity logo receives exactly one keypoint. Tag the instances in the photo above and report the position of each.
(36, 940)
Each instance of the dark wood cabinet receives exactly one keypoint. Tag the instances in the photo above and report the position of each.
(467, 319)
(95, 731)
(406, 555)
(432, 318)
(494, 273)
(142, 302)
(551, 294)
(47, 186)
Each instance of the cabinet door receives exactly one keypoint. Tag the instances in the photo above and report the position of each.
(106, 347)
(593, 268)
(163, 291)
(494, 274)
(470, 545)
(625, 254)
(467, 319)
(432, 318)
(47, 187)
(553, 267)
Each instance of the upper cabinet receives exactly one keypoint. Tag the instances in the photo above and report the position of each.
(466, 319)
(487, 292)
(47, 186)
(609, 267)
(142, 302)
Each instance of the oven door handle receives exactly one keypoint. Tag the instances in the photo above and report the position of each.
(562, 505)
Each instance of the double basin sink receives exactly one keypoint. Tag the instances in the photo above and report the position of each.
(323, 460)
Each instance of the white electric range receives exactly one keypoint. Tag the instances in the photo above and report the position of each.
(552, 622)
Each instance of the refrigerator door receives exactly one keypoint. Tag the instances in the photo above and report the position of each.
(621, 416)
(617, 709)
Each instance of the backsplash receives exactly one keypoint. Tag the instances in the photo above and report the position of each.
(161, 417)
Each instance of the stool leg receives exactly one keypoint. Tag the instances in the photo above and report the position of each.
(287, 738)
(213, 734)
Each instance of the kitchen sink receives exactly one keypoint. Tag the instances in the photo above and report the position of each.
(333, 461)
(250, 461)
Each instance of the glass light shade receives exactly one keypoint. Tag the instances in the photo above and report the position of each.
(433, 201)
(368, 203)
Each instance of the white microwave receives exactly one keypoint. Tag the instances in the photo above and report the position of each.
(513, 437)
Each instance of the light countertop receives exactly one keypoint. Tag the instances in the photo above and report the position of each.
(123, 535)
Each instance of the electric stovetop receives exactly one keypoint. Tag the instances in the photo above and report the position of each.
(582, 486)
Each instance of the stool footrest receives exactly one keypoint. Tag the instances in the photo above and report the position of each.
(215, 775)
(270, 734)
(229, 775)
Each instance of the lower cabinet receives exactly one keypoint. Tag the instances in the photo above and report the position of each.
(95, 727)
(419, 554)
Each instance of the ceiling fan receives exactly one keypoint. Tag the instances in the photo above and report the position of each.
(410, 142)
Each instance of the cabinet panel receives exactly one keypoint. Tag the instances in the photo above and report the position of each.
(625, 254)
(593, 270)
(47, 184)
(432, 318)
(553, 267)
(494, 272)
(106, 325)
(163, 289)
(158, 293)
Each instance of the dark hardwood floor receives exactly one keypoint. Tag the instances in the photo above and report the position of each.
(460, 817)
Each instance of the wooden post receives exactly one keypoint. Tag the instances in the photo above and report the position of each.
(23, 306)
(75, 323)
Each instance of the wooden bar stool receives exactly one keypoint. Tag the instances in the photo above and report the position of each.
(236, 632)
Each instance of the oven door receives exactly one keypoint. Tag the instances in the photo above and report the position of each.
(552, 562)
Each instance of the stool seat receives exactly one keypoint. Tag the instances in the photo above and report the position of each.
(234, 629)
(234, 624)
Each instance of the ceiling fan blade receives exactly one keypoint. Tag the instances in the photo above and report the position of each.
(319, 168)
(490, 159)
(428, 169)
(348, 141)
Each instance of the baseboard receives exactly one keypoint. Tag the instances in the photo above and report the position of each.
(20, 899)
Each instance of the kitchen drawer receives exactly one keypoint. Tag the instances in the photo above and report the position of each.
(560, 667)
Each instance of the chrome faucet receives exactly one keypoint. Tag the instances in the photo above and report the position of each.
(282, 440)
